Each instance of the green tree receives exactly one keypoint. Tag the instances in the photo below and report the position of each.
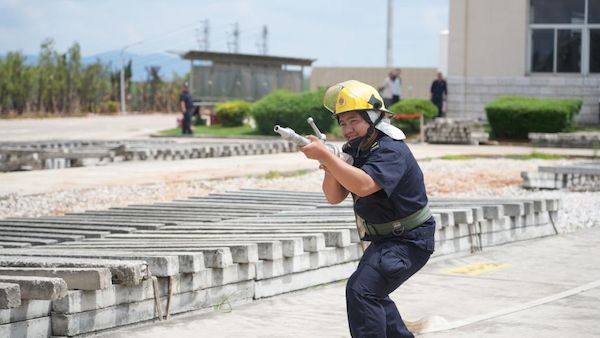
(95, 87)
(15, 80)
(74, 78)
(45, 77)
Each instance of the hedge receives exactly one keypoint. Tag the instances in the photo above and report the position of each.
(515, 117)
(291, 110)
(413, 106)
(232, 113)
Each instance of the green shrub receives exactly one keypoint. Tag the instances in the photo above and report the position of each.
(413, 106)
(233, 113)
(110, 107)
(291, 110)
(515, 117)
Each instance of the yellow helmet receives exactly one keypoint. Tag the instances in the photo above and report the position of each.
(352, 95)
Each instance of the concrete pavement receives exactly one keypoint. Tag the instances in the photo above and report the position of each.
(93, 127)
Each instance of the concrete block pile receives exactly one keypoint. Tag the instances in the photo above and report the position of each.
(574, 176)
(451, 131)
(566, 140)
(65, 154)
(209, 254)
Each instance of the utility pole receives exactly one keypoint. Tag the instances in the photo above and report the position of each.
(204, 42)
(234, 44)
(122, 77)
(389, 62)
(262, 44)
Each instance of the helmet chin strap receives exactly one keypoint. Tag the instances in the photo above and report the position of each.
(358, 142)
(381, 116)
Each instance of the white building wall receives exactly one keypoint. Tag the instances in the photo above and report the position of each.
(488, 58)
(443, 58)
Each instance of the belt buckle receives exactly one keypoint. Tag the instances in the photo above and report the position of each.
(398, 229)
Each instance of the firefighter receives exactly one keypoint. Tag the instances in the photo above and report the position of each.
(390, 203)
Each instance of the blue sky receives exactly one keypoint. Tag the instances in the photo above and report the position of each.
(336, 33)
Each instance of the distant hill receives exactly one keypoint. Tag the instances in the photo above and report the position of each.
(169, 63)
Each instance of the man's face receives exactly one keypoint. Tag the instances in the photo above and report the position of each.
(353, 125)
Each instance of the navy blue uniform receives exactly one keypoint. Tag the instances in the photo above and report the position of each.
(438, 90)
(390, 260)
(186, 125)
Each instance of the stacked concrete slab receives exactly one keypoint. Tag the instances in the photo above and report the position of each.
(566, 140)
(579, 175)
(451, 131)
(65, 154)
(210, 253)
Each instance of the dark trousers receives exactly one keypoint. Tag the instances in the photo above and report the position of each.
(186, 124)
(385, 265)
(439, 103)
(389, 101)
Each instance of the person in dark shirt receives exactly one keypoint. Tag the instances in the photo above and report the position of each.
(439, 91)
(187, 109)
(390, 203)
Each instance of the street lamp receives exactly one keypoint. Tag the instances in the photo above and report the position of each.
(122, 82)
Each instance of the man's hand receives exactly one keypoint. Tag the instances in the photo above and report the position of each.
(316, 150)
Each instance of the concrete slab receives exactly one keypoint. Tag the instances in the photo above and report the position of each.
(40, 235)
(76, 278)
(29, 240)
(29, 309)
(159, 265)
(84, 233)
(9, 244)
(66, 224)
(10, 295)
(333, 237)
(266, 249)
(123, 271)
(32, 328)
(43, 288)
(310, 242)
(278, 285)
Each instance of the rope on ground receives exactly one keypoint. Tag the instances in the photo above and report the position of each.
(156, 289)
(169, 298)
(552, 221)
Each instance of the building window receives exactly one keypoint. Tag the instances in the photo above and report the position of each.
(557, 11)
(594, 11)
(595, 51)
(564, 36)
(568, 47)
(543, 50)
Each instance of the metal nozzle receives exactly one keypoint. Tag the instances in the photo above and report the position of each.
(318, 133)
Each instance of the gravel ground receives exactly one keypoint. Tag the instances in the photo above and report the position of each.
(460, 178)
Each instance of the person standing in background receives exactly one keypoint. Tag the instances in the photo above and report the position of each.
(439, 91)
(390, 90)
(187, 108)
